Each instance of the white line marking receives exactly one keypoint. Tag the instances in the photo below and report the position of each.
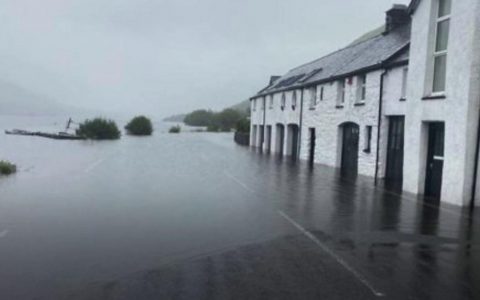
(238, 182)
(3, 233)
(94, 165)
(339, 260)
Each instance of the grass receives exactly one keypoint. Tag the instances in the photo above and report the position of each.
(7, 168)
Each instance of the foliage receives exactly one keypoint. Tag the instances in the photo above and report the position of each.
(140, 125)
(7, 168)
(199, 118)
(175, 129)
(99, 129)
(243, 125)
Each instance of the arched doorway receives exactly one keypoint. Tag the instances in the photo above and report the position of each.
(292, 140)
(350, 144)
(280, 139)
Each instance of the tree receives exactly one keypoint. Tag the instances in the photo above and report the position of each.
(199, 118)
(99, 129)
(140, 125)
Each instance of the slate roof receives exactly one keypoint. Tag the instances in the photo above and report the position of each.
(355, 58)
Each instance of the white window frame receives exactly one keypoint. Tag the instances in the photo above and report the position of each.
(322, 93)
(313, 97)
(361, 88)
(436, 54)
(270, 104)
(294, 100)
(283, 102)
(403, 92)
(263, 103)
(341, 85)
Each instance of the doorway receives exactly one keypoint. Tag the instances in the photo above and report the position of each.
(350, 142)
(395, 150)
(435, 160)
(311, 153)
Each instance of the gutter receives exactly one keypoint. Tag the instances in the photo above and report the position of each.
(379, 123)
(301, 124)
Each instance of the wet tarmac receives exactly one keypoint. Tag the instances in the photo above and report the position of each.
(193, 216)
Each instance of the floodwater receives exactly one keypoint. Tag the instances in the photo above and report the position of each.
(194, 216)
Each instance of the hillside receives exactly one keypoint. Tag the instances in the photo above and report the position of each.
(15, 100)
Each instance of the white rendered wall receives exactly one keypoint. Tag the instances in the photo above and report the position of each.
(459, 110)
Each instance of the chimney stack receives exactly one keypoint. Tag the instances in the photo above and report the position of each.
(273, 79)
(396, 16)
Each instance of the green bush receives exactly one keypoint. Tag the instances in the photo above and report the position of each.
(99, 129)
(199, 118)
(7, 168)
(243, 125)
(140, 125)
(175, 129)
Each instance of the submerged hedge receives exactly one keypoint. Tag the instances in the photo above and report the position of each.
(140, 125)
(7, 168)
(99, 129)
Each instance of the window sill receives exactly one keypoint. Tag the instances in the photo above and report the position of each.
(402, 99)
(311, 108)
(339, 106)
(360, 103)
(434, 97)
(367, 151)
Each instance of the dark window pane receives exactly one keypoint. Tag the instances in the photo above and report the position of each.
(444, 7)
(439, 73)
(443, 29)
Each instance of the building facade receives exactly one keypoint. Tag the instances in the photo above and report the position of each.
(401, 105)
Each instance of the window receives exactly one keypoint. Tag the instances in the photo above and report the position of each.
(313, 97)
(341, 92)
(368, 139)
(294, 100)
(403, 96)
(282, 104)
(254, 104)
(321, 93)
(442, 29)
(361, 88)
(270, 106)
(263, 103)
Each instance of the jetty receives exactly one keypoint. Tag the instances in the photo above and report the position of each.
(56, 136)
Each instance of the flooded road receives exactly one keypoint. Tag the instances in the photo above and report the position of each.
(193, 216)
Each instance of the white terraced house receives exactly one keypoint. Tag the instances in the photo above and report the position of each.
(401, 105)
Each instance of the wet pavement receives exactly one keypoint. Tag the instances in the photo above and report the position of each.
(193, 216)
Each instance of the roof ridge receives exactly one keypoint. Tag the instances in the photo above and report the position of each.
(335, 52)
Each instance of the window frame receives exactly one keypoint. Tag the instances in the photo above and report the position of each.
(283, 101)
(313, 97)
(341, 85)
(361, 88)
(270, 103)
(403, 91)
(254, 105)
(322, 92)
(436, 54)
(294, 100)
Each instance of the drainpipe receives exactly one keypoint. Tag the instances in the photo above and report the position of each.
(475, 168)
(300, 125)
(379, 123)
(264, 105)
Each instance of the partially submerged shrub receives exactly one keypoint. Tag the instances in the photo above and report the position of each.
(99, 129)
(7, 168)
(175, 129)
(140, 125)
(243, 125)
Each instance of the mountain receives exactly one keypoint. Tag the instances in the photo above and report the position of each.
(243, 107)
(15, 100)
(175, 118)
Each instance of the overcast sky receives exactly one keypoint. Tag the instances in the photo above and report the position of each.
(162, 57)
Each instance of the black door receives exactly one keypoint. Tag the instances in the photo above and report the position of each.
(281, 133)
(434, 172)
(350, 149)
(294, 141)
(313, 136)
(394, 172)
